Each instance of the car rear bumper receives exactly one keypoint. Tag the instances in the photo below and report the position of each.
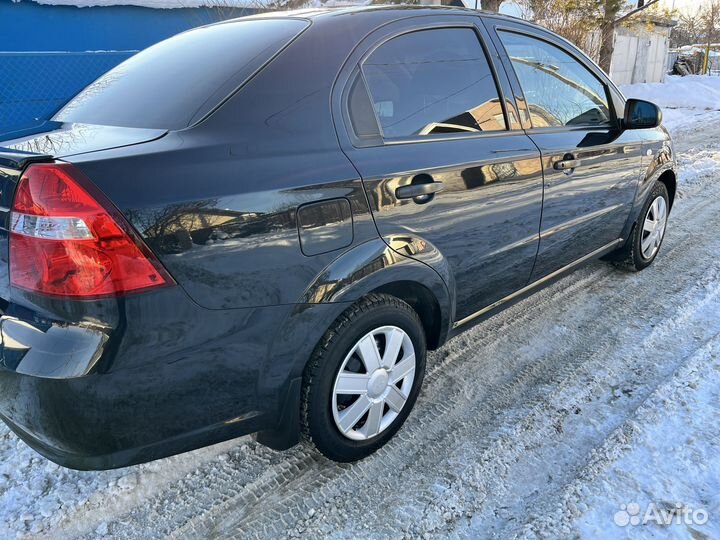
(86, 459)
(135, 379)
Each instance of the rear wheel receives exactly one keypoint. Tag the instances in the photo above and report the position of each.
(648, 233)
(363, 378)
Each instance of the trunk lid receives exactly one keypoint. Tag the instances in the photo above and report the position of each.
(61, 140)
(56, 140)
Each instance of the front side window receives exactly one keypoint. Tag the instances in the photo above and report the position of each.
(432, 82)
(559, 90)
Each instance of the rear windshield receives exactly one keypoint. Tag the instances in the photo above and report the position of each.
(177, 82)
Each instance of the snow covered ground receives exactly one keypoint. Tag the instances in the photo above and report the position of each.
(589, 410)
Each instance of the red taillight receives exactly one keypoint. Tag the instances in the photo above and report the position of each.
(64, 242)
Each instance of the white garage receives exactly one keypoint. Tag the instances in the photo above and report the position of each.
(641, 50)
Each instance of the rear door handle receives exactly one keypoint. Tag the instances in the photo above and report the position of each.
(567, 165)
(422, 193)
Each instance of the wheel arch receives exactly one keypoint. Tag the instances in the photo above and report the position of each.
(665, 173)
(670, 180)
(425, 304)
(375, 267)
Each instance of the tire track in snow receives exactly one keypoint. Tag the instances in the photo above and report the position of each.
(556, 518)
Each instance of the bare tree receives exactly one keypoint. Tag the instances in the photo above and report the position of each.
(579, 20)
(575, 20)
(711, 21)
(689, 30)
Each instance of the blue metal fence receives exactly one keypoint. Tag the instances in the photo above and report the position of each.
(36, 84)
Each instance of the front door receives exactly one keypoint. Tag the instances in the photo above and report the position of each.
(445, 163)
(591, 167)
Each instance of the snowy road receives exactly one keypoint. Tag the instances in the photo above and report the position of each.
(600, 391)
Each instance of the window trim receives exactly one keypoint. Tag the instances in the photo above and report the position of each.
(610, 124)
(473, 25)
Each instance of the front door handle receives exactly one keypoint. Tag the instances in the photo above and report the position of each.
(568, 164)
(420, 193)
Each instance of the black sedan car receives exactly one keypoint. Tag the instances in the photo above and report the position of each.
(260, 226)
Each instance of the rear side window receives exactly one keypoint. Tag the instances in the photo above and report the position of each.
(361, 112)
(559, 90)
(432, 82)
(177, 82)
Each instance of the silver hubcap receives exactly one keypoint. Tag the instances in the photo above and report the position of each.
(654, 228)
(373, 383)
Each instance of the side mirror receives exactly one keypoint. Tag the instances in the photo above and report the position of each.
(641, 114)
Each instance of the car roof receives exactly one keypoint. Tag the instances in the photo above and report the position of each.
(311, 13)
(392, 11)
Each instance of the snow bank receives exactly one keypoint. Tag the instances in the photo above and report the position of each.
(693, 92)
(159, 4)
(687, 103)
(684, 100)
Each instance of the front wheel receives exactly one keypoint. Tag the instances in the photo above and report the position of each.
(648, 233)
(363, 378)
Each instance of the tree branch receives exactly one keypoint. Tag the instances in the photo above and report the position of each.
(634, 11)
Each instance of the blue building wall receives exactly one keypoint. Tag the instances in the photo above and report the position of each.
(49, 53)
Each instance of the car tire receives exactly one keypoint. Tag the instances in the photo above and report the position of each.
(644, 243)
(375, 351)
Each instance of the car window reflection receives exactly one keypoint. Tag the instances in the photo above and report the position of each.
(433, 82)
(559, 90)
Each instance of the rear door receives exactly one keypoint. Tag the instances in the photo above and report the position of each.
(591, 166)
(451, 177)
